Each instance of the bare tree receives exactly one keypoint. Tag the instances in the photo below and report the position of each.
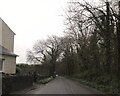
(44, 51)
(53, 50)
(38, 54)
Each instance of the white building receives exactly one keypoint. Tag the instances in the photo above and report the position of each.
(7, 56)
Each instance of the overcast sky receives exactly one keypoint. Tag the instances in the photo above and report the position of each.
(32, 20)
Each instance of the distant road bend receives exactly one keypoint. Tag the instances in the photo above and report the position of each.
(61, 85)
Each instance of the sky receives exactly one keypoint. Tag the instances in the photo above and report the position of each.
(32, 20)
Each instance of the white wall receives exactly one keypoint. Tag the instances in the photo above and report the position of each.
(9, 65)
(0, 32)
(6, 36)
(7, 41)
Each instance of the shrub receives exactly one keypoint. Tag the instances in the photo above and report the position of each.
(18, 70)
(46, 80)
(14, 83)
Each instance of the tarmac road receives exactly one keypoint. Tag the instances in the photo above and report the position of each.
(0, 83)
(61, 85)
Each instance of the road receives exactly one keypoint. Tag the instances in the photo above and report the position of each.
(0, 83)
(61, 85)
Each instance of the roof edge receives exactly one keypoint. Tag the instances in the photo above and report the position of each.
(7, 26)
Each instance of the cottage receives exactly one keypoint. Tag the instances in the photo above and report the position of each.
(7, 56)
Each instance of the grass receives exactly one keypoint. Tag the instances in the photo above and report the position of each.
(44, 81)
(98, 84)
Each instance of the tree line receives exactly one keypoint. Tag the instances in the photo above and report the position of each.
(90, 48)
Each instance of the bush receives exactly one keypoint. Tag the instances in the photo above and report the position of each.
(87, 75)
(103, 83)
(104, 80)
(18, 70)
(14, 83)
(46, 80)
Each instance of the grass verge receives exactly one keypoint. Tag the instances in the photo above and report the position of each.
(107, 89)
(44, 81)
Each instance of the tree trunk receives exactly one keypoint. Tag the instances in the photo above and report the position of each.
(118, 42)
(108, 37)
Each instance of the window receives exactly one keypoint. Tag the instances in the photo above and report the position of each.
(1, 64)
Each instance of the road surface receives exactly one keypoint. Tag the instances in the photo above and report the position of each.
(0, 83)
(61, 85)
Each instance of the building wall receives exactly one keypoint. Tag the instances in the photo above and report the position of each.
(0, 32)
(9, 65)
(6, 37)
(7, 41)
